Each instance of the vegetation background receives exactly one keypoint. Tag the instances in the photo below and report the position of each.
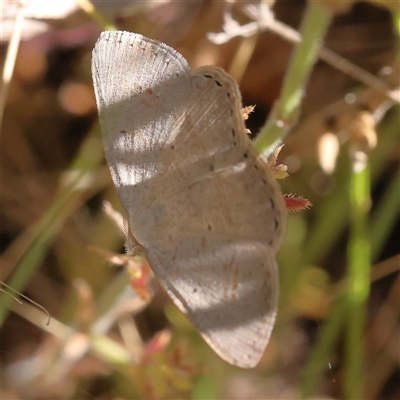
(113, 334)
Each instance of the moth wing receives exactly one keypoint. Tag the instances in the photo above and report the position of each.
(140, 86)
(229, 291)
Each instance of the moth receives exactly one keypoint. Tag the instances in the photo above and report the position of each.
(202, 206)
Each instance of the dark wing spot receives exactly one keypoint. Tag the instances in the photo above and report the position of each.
(228, 94)
(123, 132)
(211, 167)
(207, 76)
(245, 155)
(209, 227)
(194, 290)
(233, 132)
(264, 181)
(276, 223)
(172, 147)
(256, 166)
(272, 204)
(218, 83)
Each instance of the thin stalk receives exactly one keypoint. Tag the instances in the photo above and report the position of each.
(88, 7)
(385, 216)
(11, 56)
(74, 186)
(320, 356)
(359, 265)
(286, 110)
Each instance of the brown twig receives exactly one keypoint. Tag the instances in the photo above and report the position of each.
(265, 20)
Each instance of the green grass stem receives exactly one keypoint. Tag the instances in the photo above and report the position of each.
(359, 265)
(75, 182)
(286, 110)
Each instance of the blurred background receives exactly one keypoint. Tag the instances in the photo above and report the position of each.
(113, 333)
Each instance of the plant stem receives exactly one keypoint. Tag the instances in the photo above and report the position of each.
(385, 216)
(286, 110)
(11, 56)
(359, 264)
(320, 355)
(75, 184)
(88, 7)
